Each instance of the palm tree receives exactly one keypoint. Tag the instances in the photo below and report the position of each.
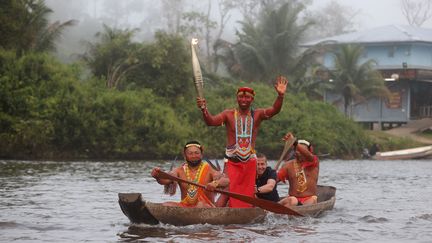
(114, 56)
(267, 47)
(31, 30)
(353, 80)
(311, 84)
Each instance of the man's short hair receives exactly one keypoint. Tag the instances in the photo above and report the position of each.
(261, 155)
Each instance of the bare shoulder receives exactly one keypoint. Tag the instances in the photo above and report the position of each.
(260, 113)
(289, 163)
(229, 111)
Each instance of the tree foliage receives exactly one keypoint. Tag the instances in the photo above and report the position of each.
(164, 67)
(148, 111)
(416, 12)
(354, 80)
(114, 56)
(25, 27)
(47, 112)
(269, 46)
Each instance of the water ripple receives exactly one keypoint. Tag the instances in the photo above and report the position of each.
(372, 219)
(77, 201)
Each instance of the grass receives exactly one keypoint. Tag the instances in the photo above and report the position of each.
(427, 134)
(388, 142)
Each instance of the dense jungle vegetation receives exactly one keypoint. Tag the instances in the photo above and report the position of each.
(126, 99)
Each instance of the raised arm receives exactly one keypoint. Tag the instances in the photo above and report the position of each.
(209, 119)
(303, 150)
(307, 154)
(280, 87)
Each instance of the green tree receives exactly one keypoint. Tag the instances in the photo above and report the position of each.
(165, 67)
(311, 84)
(29, 87)
(269, 46)
(25, 26)
(114, 56)
(354, 80)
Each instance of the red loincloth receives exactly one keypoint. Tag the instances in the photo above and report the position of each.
(303, 199)
(242, 180)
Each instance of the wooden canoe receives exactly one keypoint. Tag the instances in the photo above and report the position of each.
(141, 211)
(412, 153)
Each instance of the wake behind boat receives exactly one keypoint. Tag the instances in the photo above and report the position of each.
(412, 153)
(141, 211)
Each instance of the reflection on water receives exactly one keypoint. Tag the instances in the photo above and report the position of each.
(77, 201)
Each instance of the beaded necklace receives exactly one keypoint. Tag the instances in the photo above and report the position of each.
(244, 131)
(301, 177)
(192, 190)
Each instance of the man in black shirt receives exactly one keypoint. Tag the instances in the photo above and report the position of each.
(266, 180)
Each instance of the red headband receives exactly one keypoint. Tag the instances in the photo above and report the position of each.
(246, 90)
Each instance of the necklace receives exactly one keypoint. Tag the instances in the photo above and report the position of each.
(244, 132)
(198, 171)
(192, 191)
(301, 177)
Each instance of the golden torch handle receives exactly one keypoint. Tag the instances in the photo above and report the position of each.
(198, 79)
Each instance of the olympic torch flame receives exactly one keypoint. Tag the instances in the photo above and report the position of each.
(198, 79)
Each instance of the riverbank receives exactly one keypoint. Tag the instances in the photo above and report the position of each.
(414, 134)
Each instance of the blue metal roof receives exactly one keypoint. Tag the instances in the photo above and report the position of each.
(384, 34)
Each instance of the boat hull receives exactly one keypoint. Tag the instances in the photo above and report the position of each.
(413, 153)
(141, 211)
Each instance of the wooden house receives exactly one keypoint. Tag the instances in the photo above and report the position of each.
(404, 57)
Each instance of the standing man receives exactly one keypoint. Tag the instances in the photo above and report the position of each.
(266, 186)
(302, 174)
(242, 126)
(198, 171)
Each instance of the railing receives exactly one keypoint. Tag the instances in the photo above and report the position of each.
(425, 111)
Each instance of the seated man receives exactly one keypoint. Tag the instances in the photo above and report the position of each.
(266, 187)
(302, 175)
(198, 171)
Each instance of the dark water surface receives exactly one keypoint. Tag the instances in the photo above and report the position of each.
(376, 201)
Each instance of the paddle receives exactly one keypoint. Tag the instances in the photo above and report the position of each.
(215, 167)
(264, 204)
(288, 144)
(170, 189)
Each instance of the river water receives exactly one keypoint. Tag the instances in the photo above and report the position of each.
(43, 201)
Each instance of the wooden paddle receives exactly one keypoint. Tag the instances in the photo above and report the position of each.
(288, 144)
(264, 204)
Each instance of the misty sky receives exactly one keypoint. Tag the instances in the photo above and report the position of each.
(371, 13)
(374, 13)
(146, 15)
